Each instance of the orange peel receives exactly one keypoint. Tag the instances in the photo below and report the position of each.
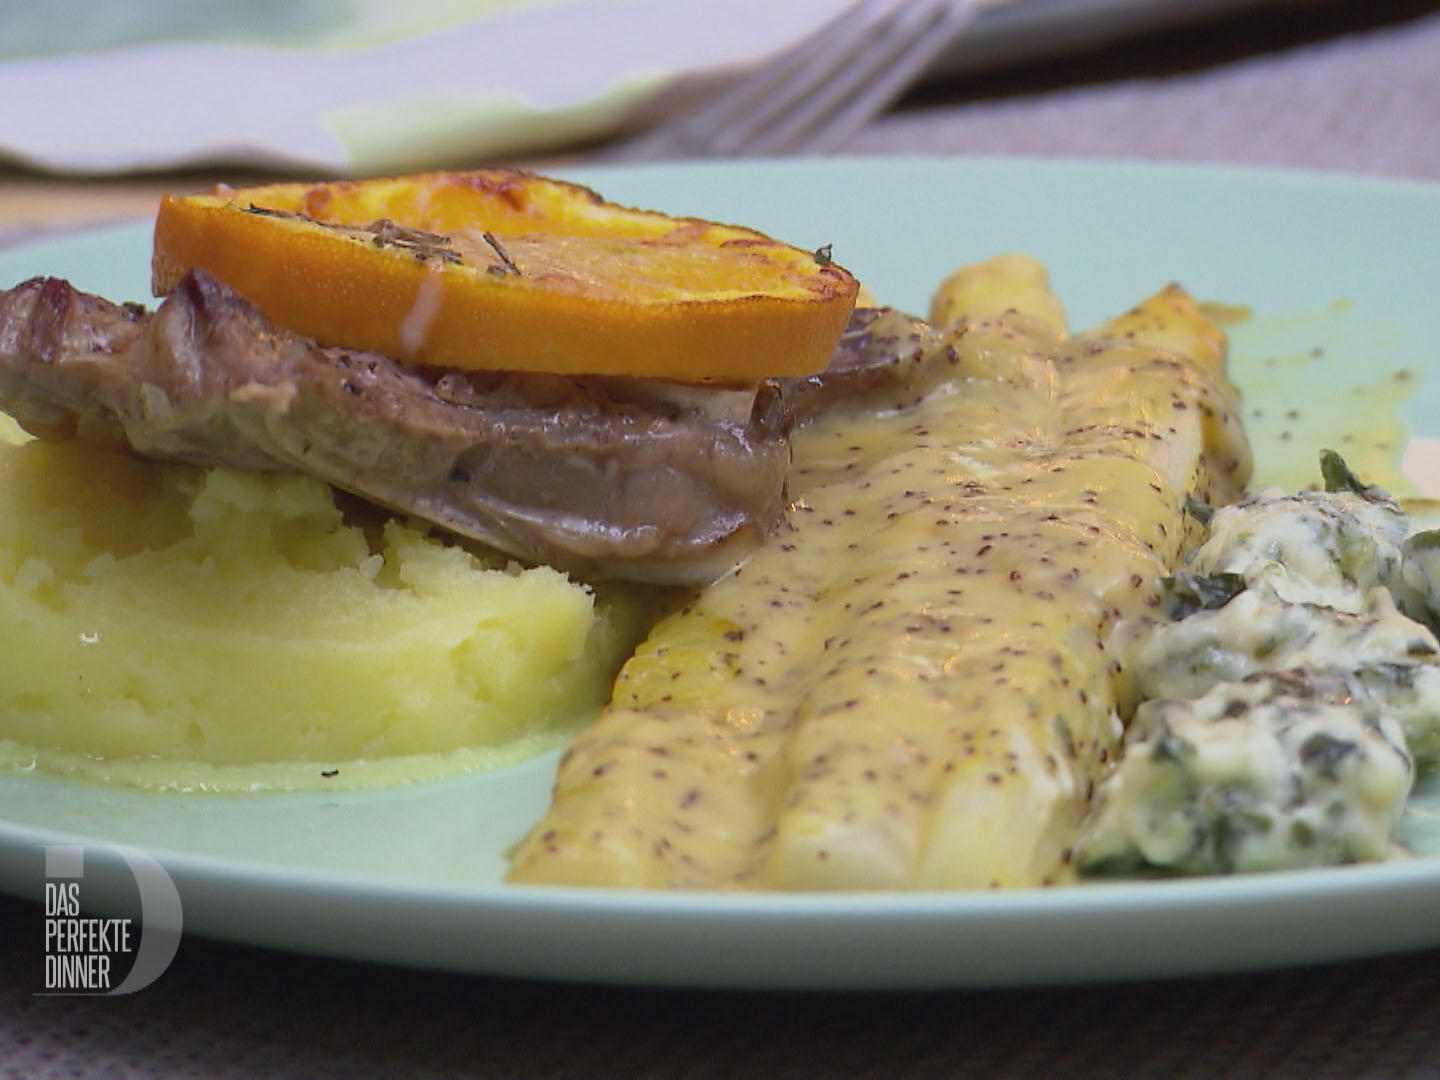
(508, 270)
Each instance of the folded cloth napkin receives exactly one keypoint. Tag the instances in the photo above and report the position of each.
(358, 87)
(367, 86)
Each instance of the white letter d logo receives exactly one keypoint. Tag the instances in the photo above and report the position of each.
(160, 915)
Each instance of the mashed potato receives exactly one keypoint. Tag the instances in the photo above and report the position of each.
(178, 627)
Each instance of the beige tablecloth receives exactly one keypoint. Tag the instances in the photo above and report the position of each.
(1353, 87)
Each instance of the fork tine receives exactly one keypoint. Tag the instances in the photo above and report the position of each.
(898, 31)
(892, 82)
(814, 95)
(727, 122)
(755, 102)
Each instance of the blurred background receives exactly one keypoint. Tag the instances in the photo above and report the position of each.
(109, 104)
(112, 102)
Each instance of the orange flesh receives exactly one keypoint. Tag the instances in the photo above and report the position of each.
(511, 271)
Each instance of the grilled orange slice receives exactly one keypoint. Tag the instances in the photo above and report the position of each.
(509, 270)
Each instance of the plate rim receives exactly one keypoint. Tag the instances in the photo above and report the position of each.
(1402, 879)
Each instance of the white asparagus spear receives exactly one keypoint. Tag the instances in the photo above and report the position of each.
(911, 686)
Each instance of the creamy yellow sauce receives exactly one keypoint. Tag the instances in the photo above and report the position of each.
(1324, 379)
(912, 686)
(340, 774)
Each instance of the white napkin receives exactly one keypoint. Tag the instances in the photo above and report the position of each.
(355, 88)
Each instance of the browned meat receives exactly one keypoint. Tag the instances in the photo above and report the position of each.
(885, 359)
(620, 478)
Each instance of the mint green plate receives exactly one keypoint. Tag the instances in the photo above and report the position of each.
(1340, 276)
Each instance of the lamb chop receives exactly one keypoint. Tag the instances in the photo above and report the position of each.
(634, 479)
(605, 477)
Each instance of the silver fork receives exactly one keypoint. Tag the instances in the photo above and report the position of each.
(811, 98)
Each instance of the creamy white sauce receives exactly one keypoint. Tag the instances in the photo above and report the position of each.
(1281, 770)
(1282, 724)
